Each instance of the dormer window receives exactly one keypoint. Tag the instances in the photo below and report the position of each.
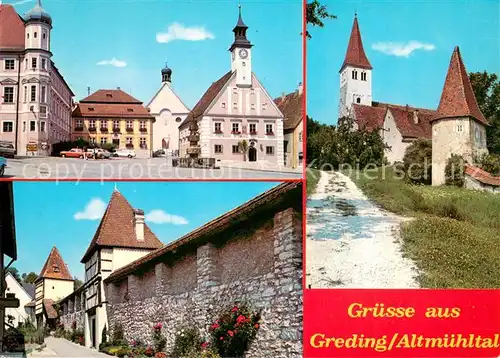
(130, 110)
(91, 109)
(109, 95)
(55, 268)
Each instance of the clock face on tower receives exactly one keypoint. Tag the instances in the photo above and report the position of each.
(243, 53)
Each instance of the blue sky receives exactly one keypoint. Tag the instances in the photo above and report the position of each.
(86, 32)
(417, 79)
(51, 214)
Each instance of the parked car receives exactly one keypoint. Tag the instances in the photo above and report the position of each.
(101, 153)
(7, 149)
(74, 153)
(124, 153)
(159, 153)
(3, 164)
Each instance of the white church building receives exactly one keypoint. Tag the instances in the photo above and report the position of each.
(169, 111)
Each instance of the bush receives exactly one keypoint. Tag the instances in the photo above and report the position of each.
(418, 162)
(187, 342)
(104, 336)
(454, 171)
(118, 338)
(490, 163)
(235, 329)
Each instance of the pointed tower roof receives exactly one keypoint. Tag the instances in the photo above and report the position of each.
(240, 33)
(38, 14)
(457, 98)
(117, 228)
(55, 267)
(355, 55)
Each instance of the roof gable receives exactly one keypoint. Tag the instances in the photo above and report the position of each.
(457, 98)
(28, 290)
(292, 108)
(166, 98)
(355, 54)
(207, 98)
(11, 28)
(117, 229)
(55, 267)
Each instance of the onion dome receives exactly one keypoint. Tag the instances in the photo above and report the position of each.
(38, 14)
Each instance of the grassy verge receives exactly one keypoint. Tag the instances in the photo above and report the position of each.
(455, 237)
(312, 178)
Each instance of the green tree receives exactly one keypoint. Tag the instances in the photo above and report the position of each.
(243, 145)
(29, 278)
(418, 162)
(486, 87)
(78, 283)
(14, 273)
(316, 13)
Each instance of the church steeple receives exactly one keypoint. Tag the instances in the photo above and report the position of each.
(355, 55)
(166, 74)
(240, 33)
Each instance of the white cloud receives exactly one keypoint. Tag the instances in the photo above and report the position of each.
(401, 49)
(94, 210)
(160, 217)
(178, 31)
(20, 2)
(113, 62)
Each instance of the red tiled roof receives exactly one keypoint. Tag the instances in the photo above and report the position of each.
(481, 175)
(50, 311)
(216, 226)
(355, 55)
(457, 98)
(11, 29)
(117, 229)
(368, 117)
(55, 267)
(111, 110)
(206, 99)
(292, 108)
(110, 96)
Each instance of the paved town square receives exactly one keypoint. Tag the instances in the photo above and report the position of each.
(136, 168)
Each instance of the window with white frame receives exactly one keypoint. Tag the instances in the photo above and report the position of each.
(142, 124)
(104, 124)
(269, 150)
(79, 123)
(42, 126)
(92, 124)
(116, 124)
(43, 96)
(253, 128)
(218, 127)
(8, 95)
(25, 94)
(130, 124)
(33, 63)
(129, 140)
(269, 129)
(236, 149)
(264, 106)
(32, 126)
(235, 128)
(142, 142)
(218, 148)
(460, 128)
(33, 93)
(44, 64)
(104, 140)
(235, 105)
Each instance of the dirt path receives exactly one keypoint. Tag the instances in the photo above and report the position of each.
(352, 243)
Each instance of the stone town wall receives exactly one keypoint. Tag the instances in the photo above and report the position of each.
(72, 310)
(263, 268)
(68, 319)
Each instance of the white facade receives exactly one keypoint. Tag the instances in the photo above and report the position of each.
(169, 112)
(36, 101)
(241, 63)
(22, 313)
(355, 87)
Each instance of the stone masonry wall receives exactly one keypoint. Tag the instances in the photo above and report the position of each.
(264, 269)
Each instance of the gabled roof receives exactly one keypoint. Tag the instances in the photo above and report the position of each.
(55, 267)
(11, 29)
(29, 288)
(112, 110)
(355, 55)
(292, 108)
(207, 99)
(368, 117)
(457, 98)
(171, 90)
(117, 229)
(110, 96)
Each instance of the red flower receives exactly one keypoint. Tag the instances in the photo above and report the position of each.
(235, 309)
(221, 338)
(214, 326)
(231, 333)
(241, 319)
(204, 345)
(256, 326)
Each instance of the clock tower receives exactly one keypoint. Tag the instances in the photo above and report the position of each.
(241, 58)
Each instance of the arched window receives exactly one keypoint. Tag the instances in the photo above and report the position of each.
(178, 119)
(358, 100)
(363, 76)
(34, 35)
(354, 74)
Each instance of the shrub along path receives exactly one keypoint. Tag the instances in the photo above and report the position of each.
(351, 242)
(455, 236)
